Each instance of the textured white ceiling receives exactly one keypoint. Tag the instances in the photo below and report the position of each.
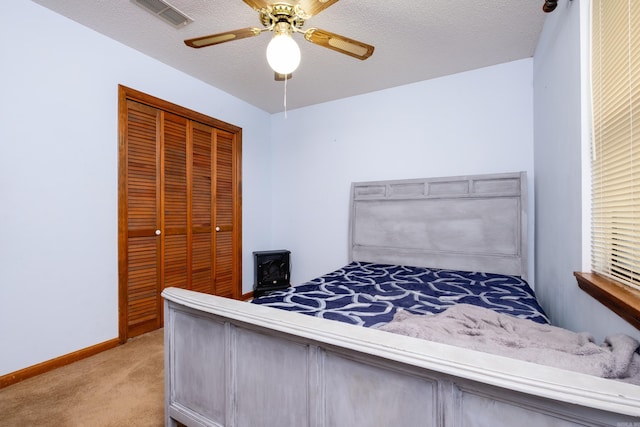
(414, 40)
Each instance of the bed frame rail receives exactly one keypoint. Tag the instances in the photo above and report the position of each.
(232, 363)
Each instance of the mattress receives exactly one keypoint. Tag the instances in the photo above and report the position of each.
(369, 294)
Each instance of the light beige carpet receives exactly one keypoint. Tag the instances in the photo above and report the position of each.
(123, 386)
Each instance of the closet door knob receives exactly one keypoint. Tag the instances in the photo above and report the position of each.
(158, 232)
(217, 228)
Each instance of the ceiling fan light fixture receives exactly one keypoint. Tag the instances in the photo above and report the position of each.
(283, 53)
(283, 18)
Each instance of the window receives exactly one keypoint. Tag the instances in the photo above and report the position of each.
(615, 225)
(615, 244)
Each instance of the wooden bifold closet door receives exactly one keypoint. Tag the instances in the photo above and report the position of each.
(179, 207)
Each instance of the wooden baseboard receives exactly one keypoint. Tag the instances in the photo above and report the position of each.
(49, 365)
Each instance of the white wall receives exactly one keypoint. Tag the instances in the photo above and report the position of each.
(58, 169)
(58, 178)
(474, 122)
(561, 150)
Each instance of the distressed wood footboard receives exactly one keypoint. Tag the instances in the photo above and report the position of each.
(231, 363)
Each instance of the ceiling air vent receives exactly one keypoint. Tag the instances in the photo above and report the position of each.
(164, 10)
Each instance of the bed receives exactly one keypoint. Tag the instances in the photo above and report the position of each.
(232, 363)
(370, 294)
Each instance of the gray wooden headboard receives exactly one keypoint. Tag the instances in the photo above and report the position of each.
(471, 223)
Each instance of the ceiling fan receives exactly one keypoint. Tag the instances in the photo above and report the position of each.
(285, 18)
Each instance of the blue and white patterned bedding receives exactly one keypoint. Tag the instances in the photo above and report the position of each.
(369, 294)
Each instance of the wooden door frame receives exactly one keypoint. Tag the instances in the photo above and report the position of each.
(124, 94)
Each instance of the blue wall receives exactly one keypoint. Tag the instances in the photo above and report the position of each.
(561, 161)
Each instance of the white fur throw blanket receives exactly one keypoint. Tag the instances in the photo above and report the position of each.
(485, 330)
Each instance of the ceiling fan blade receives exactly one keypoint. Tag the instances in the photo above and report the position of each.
(258, 4)
(228, 36)
(339, 43)
(313, 7)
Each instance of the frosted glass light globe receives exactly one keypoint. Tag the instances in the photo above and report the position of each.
(283, 54)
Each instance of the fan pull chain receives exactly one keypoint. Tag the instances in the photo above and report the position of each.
(285, 96)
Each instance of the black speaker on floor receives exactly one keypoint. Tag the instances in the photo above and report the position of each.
(272, 271)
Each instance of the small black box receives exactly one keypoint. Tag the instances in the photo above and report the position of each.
(272, 271)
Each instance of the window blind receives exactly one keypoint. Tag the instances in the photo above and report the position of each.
(616, 146)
